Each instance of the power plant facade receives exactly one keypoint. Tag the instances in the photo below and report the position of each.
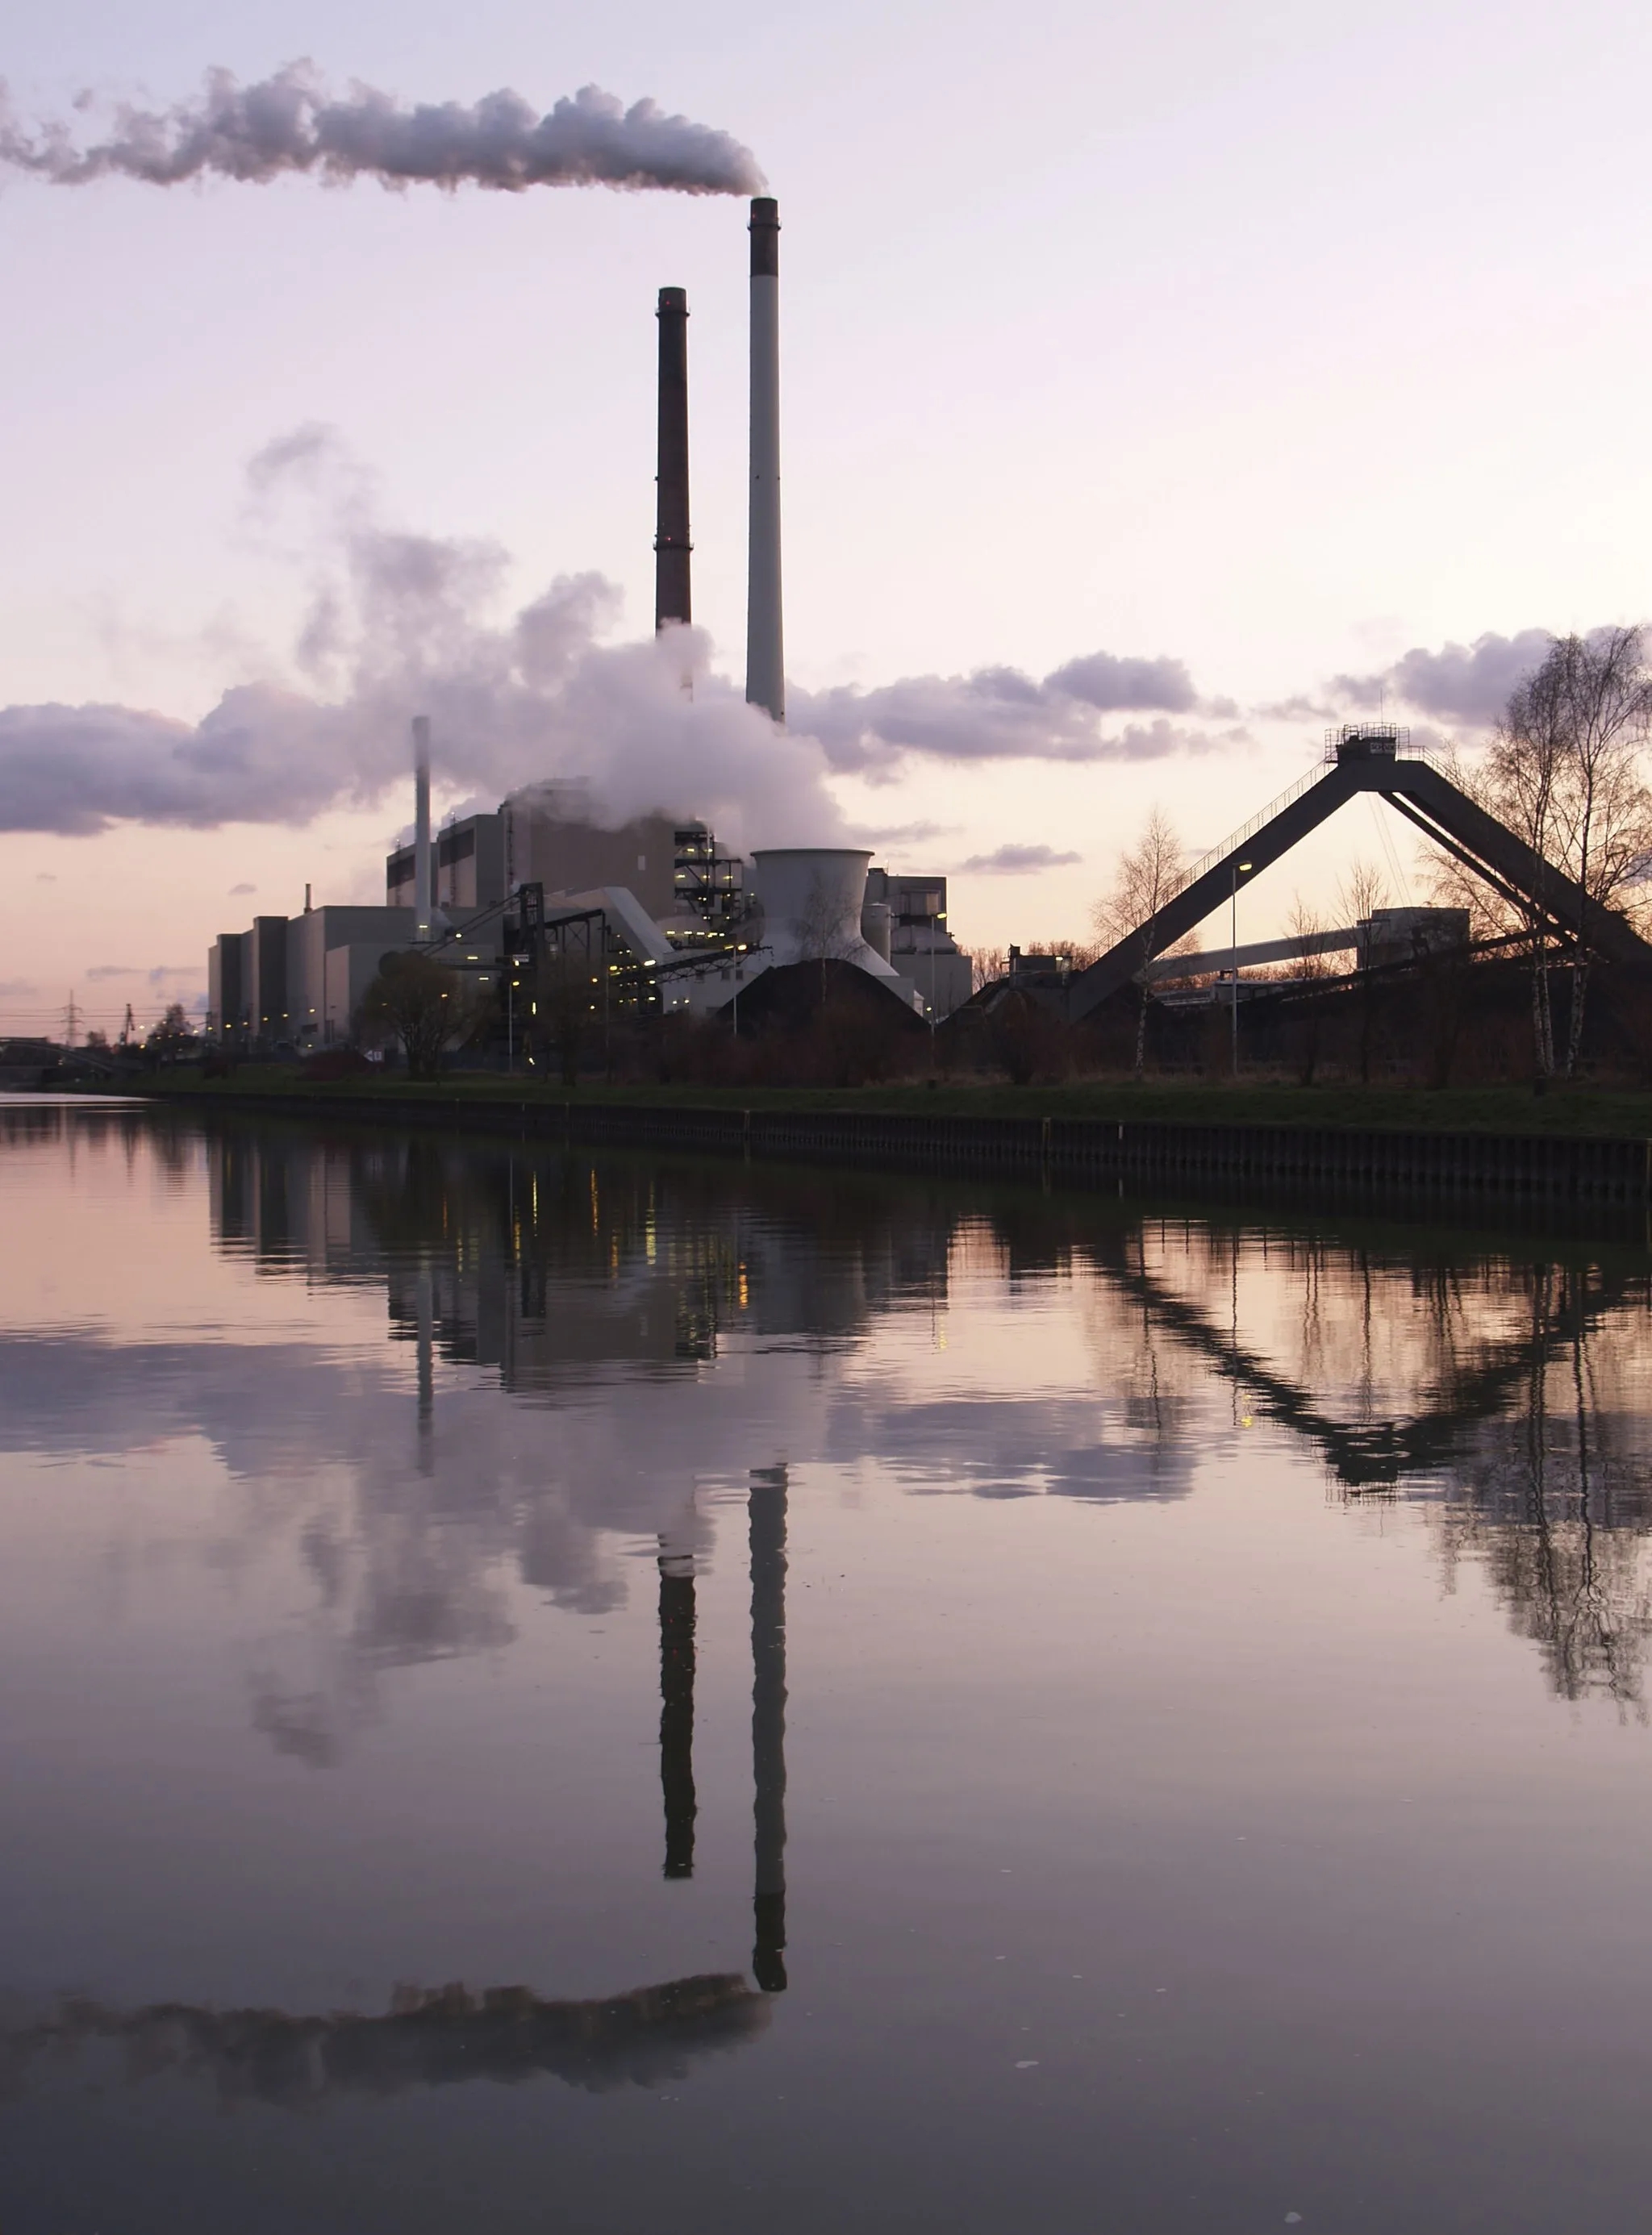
(653, 905)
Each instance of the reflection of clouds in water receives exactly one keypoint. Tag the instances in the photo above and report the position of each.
(427, 2039)
(604, 1339)
(1012, 1446)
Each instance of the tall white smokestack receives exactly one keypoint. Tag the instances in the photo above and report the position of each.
(765, 658)
(422, 895)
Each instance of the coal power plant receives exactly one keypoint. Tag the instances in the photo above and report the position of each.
(561, 928)
(542, 905)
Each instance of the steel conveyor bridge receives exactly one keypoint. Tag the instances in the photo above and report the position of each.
(1365, 760)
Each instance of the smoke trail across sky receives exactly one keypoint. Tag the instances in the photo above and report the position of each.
(293, 123)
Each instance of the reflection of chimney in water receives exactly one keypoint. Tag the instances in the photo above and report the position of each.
(767, 1508)
(677, 1709)
(426, 1308)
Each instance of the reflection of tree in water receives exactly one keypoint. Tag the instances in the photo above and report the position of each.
(1555, 1502)
(1511, 1393)
(426, 2039)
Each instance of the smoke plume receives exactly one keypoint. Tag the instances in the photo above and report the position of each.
(398, 623)
(291, 122)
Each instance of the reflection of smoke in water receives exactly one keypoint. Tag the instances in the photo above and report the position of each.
(426, 2039)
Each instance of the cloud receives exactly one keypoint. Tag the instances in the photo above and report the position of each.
(13, 989)
(398, 624)
(156, 974)
(1467, 684)
(44, 877)
(1113, 686)
(236, 891)
(1301, 708)
(1018, 861)
(999, 713)
(895, 834)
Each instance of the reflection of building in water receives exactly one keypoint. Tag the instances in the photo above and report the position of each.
(1408, 1361)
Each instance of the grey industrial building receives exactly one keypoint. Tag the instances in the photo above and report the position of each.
(655, 892)
(299, 979)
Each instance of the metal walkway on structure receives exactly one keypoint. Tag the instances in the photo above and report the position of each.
(1365, 760)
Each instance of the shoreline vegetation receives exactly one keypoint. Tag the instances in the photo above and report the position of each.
(1578, 1111)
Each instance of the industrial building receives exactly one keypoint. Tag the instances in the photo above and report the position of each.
(663, 918)
(299, 979)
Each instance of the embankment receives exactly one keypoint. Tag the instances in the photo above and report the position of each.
(1202, 1142)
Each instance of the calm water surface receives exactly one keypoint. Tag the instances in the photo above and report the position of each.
(549, 1691)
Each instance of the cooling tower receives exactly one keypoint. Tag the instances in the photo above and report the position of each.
(811, 898)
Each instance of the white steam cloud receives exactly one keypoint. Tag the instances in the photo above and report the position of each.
(293, 123)
(400, 623)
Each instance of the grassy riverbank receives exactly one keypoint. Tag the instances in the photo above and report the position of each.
(1595, 1111)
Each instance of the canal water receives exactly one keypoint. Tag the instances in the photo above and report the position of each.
(559, 1690)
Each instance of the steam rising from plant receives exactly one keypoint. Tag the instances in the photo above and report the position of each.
(398, 623)
(293, 123)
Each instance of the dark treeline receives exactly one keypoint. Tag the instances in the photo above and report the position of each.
(1451, 1019)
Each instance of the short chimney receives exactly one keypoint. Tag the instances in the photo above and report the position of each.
(422, 906)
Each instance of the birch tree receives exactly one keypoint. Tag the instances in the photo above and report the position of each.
(1148, 874)
(1564, 773)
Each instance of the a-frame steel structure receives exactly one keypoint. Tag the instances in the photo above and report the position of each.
(1367, 759)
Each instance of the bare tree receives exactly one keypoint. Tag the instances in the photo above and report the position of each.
(1148, 874)
(1362, 892)
(1563, 772)
(1604, 812)
(821, 933)
(989, 964)
(1305, 923)
(1520, 784)
(425, 1006)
